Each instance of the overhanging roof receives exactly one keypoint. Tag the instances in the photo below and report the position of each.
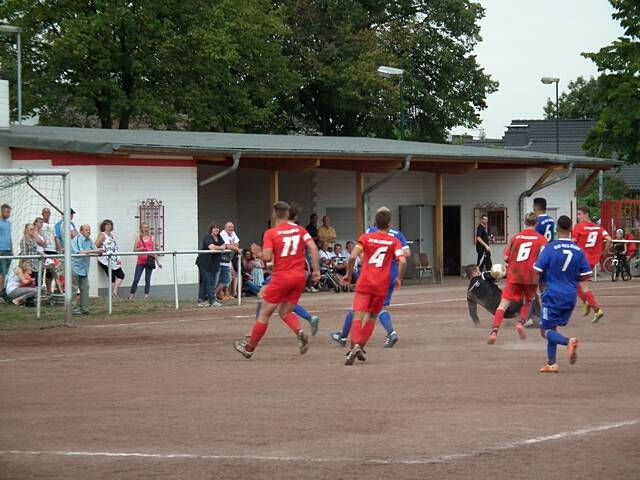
(216, 147)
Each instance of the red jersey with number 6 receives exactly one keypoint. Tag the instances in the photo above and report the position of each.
(521, 254)
(287, 241)
(380, 248)
(590, 237)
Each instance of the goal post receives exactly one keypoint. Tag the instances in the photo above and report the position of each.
(7, 174)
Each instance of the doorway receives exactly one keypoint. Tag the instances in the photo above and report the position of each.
(451, 234)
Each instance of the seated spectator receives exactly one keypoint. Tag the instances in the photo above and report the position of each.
(324, 255)
(247, 265)
(326, 233)
(339, 259)
(20, 285)
(356, 269)
(258, 272)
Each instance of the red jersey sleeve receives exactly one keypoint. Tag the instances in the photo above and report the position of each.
(267, 241)
(397, 248)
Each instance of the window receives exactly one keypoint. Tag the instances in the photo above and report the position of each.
(151, 212)
(498, 219)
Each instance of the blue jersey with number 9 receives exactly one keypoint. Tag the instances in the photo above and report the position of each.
(563, 264)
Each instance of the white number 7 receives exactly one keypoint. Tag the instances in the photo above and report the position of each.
(569, 255)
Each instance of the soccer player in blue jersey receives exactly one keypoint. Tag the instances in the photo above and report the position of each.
(545, 225)
(384, 317)
(563, 265)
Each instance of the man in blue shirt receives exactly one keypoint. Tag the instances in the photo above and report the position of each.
(58, 235)
(563, 265)
(545, 225)
(6, 245)
(384, 317)
(82, 244)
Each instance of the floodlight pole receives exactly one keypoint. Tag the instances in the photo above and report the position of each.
(17, 31)
(402, 113)
(68, 283)
(548, 81)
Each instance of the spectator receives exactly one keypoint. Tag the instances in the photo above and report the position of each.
(48, 266)
(145, 263)
(82, 244)
(232, 242)
(108, 243)
(248, 264)
(356, 269)
(59, 237)
(482, 244)
(339, 260)
(6, 245)
(37, 235)
(632, 248)
(326, 233)
(29, 246)
(258, 271)
(209, 266)
(20, 284)
(48, 234)
(312, 228)
(324, 255)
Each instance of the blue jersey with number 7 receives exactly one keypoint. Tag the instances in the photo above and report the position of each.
(563, 264)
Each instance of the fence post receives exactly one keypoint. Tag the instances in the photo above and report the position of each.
(175, 280)
(109, 270)
(239, 292)
(39, 291)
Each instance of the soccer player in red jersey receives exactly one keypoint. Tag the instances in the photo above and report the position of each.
(592, 239)
(283, 244)
(378, 249)
(520, 255)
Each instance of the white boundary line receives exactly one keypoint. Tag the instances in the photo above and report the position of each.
(406, 461)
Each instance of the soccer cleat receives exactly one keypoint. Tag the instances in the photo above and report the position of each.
(520, 330)
(315, 321)
(549, 368)
(493, 336)
(353, 354)
(529, 324)
(337, 337)
(303, 342)
(390, 340)
(572, 350)
(586, 308)
(361, 355)
(241, 347)
(597, 316)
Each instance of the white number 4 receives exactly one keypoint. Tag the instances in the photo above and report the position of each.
(524, 251)
(569, 255)
(378, 257)
(290, 245)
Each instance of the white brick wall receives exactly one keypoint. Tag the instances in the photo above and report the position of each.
(4, 104)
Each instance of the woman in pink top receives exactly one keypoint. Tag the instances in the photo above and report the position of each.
(146, 263)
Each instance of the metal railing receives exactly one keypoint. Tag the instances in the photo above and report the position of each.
(163, 253)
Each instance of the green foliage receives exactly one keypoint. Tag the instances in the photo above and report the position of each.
(614, 189)
(581, 101)
(617, 130)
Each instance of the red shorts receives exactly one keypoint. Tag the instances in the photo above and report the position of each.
(365, 302)
(283, 289)
(515, 291)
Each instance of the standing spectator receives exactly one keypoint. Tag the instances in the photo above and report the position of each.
(48, 234)
(29, 246)
(326, 233)
(209, 266)
(59, 237)
(20, 284)
(482, 244)
(145, 263)
(108, 243)
(232, 242)
(312, 228)
(37, 234)
(82, 244)
(6, 246)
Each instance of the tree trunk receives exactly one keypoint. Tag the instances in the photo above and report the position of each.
(104, 114)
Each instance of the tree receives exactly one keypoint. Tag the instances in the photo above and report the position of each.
(617, 130)
(581, 101)
(614, 189)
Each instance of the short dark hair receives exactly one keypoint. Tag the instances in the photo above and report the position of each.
(383, 219)
(105, 222)
(337, 245)
(564, 223)
(281, 209)
(540, 203)
(584, 209)
(469, 269)
(294, 210)
(5, 205)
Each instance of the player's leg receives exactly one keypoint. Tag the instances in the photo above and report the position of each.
(291, 319)
(313, 320)
(498, 317)
(342, 336)
(590, 302)
(247, 347)
(528, 295)
(385, 318)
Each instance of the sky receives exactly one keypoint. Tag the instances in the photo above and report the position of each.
(524, 40)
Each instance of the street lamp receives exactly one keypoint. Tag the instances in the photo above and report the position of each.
(390, 72)
(549, 81)
(8, 30)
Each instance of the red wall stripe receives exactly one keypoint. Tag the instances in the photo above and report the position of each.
(64, 159)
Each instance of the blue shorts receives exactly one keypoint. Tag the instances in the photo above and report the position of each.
(5, 263)
(225, 276)
(554, 317)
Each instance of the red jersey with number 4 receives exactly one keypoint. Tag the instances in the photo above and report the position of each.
(287, 241)
(379, 250)
(590, 237)
(521, 254)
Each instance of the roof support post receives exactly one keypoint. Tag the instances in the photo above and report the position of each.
(274, 193)
(234, 166)
(406, 164)
(438, 227)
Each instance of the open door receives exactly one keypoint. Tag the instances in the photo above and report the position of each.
(451, 231)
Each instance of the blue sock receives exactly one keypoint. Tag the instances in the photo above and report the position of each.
(385, 321)
(346, 326)
(551, 352)
(302, 313)
(557, 338)
(258, 308)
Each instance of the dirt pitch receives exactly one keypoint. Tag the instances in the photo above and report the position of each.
(167, 397)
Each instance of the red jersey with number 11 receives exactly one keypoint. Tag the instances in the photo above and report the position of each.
(287, 241)
(379, 250)
(521, 254)
(590, 237)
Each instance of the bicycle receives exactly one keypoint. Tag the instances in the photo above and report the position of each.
(619, 268)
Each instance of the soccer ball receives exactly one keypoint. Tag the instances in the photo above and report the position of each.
(498, 271)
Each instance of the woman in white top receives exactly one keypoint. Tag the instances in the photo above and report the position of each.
(107, 242)
(20, 286)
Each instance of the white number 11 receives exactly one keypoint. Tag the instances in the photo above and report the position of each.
(290, 245)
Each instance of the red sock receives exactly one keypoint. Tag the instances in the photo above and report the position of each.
(497, 318)
(582, 295)
(591, 300)
(257, 333)
(292, 321)
(524, 311)
(367, 331)
(356, 331)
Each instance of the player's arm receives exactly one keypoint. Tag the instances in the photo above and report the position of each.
(402, 267)
(473, 311)
(351, 263)
(608, 241)
(315, 261)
